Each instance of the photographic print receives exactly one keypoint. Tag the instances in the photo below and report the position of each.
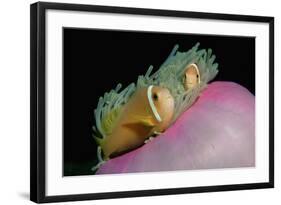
(130, 102)
(150, 101)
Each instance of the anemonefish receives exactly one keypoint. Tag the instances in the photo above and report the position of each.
(192, 76)
(149, 110)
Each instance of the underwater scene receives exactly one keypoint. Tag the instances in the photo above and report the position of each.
(138, 101)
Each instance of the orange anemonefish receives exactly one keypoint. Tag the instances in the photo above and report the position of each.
(192, 76)
(150, 110)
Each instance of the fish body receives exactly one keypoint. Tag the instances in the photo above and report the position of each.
(149, 110)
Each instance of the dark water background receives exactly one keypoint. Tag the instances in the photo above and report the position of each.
(95, 61)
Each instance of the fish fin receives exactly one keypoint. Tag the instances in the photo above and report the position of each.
(147, 122)
(143, 120)
(138, 121)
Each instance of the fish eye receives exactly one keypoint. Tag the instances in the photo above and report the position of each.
(197, 76)
(155, 96)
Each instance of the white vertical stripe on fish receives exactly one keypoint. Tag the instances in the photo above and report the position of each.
(197, 70)
(151, 103)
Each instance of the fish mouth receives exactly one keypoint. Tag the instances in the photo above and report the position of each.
(188, 82)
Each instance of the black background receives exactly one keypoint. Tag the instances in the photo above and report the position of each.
(95, 61)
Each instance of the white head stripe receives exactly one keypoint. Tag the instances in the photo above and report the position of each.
(151, 103)
(197, 70)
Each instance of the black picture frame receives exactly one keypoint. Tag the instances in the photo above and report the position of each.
(38, 101)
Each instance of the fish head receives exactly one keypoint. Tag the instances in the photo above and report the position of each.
(161, 103)
(192, 76)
